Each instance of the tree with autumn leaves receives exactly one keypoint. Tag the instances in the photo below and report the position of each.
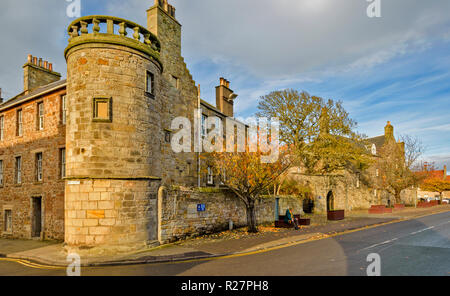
(248, 176)
(435, 185)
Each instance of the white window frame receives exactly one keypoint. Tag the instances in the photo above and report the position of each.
(18, 167)
(63, 162)
(63, 110)
(374, 149)
(210, 176)
(150, 83)
(40, 108)
(39, 169)
(2, 127)
(1, 172)
(19, 123)
(204, 130)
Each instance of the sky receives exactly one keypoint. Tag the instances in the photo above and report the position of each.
(393, 68)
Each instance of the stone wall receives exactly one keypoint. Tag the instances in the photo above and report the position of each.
(49, 142)
(179, 217)
(111, 212)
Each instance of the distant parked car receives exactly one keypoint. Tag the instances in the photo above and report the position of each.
(446, 200)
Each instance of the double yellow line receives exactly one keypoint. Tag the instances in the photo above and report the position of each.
(32, 264)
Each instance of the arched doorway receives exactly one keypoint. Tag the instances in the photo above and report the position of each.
(330, 201)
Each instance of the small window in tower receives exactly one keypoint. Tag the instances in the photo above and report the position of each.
(150, 84)
(103, 109)
(175, 81)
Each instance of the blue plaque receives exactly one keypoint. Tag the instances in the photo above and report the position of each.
(201, 207)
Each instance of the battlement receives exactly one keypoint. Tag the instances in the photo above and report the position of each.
(88, 30)
(166, 7)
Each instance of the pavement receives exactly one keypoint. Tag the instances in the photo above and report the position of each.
(229, 243)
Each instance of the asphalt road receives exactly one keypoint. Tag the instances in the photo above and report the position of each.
(414, 247)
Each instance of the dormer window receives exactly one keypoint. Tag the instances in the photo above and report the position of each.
(374, 149)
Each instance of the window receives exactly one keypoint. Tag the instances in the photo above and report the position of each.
(2, 127)
(175, 82)
(150, 83)
(103, 109)
(377, 172)
(8, 221)
(374, 149)
(39, 167)
(40, 115)
(358, 180)
(167, 136)
(1, 172)
(204, 117)
(63, 110)
(19, 123)
(18, 174)
(210, 177)
(63, 162)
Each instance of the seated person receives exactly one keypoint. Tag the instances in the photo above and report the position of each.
(290, 218)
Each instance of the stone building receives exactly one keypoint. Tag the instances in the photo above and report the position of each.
(350, 191)
(84, 159)
(89, 160)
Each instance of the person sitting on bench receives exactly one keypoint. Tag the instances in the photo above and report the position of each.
(290, 219)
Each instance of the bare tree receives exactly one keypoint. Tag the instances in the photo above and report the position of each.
(397, 164)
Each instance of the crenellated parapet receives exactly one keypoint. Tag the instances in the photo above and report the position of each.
(89, 29)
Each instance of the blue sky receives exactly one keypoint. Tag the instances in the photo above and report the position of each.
(394, 68)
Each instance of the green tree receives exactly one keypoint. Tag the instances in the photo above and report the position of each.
(321, 131)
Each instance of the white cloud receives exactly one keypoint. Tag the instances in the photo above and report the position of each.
(30, 27)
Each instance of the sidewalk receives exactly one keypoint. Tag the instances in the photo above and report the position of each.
(226, 243)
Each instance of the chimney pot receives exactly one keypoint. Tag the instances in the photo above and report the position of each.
(50, 66)
(35, 61)
(46, 64)
(30, 58)
(40, 62)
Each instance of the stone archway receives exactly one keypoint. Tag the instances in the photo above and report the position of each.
(330, 201)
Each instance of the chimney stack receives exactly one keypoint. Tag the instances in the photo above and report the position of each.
(445, 171)
(1, 99)
(225, 97)
(37, 73)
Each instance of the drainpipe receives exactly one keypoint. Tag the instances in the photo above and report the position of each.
(199, 137)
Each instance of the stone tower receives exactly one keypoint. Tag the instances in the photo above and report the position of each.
(114, 85)
(389, 131)
(181, 94)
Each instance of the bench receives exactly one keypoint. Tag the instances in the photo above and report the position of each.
(379, 209)
(281, 224)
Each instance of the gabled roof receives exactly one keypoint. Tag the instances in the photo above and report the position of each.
(21, 98)
(378, 141)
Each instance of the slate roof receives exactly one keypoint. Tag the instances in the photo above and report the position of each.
(20, 98)
(378, 141)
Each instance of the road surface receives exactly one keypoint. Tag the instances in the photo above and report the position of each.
(414, 247)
